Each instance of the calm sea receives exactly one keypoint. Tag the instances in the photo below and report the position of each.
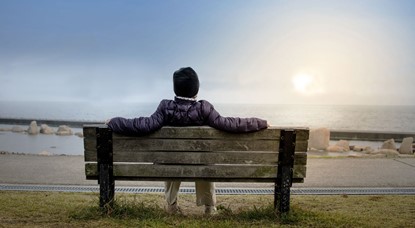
(365, 118)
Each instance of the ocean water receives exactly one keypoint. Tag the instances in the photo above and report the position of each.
(334, 117)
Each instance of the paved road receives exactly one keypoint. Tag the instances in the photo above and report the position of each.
(321, 172)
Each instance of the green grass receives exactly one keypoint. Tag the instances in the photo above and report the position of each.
(53, 209)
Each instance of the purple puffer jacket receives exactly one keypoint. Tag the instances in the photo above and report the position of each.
(180, 112)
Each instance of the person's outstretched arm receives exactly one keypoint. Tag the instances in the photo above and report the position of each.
(231, 124)
(138, 126)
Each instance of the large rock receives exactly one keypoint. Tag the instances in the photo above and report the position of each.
(386, 152)
(319, 138)
(335, 148)
(359, 148)
(344, 144)
(45, 129)
(45, 153)
(389, 145)
(64, 130)
(406, 146)
(33, 129)
(340, 146)
(17, 129)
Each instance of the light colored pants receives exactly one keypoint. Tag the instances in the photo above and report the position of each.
(205, 192)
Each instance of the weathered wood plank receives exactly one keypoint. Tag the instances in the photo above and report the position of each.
(199, 145)
(301, 146)
(194, 145)
(90, 144)
(123, 170)
(169, 132)
(302, 134)
(183, 179)
(226, 157)
(299, 171)
(200, 157)
(206, 132)
(89, 132)
(90, 155)
(265, 158)
(90, 147)
(142, 144)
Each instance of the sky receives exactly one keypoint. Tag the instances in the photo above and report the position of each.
(354, 52)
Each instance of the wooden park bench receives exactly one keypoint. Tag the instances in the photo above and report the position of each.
(277, 155)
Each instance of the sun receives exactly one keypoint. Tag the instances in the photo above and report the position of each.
(303, 83)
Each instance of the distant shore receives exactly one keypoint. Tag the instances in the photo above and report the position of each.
(50, 122)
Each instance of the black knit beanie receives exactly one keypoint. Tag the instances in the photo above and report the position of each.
(186, 82)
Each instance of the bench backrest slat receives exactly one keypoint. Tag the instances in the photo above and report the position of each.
(245, 157)
(148, 145)
(205, 132)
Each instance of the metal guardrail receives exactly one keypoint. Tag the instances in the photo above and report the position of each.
(219, 191)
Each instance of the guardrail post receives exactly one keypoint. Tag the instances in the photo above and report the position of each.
(105, 167)
(285, 171)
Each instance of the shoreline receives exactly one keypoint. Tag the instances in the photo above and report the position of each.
(23, 143)
(8, 153)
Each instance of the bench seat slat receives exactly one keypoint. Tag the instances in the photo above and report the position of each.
(123, 170)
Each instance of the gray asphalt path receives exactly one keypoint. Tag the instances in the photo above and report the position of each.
(321, 172)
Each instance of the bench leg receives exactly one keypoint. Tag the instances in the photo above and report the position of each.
(283, 182)
(106, 186)
(282, 191)
(105, 167)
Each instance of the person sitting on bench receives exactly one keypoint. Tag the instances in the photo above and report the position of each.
(186, 110)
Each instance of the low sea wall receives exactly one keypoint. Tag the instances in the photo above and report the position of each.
(369, 135)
